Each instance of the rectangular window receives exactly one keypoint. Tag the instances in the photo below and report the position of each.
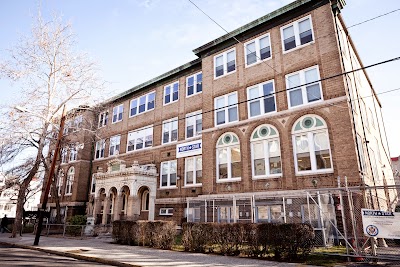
(171, 93)
(257, 50)
(64, 153)
(93, 187)
(100, 146)
(194, 84)
(170, 131)
(77, 123)
(297, 34)
(193, 171)
(194, 124)
(142, 104)
(114, 145)
(226, 109)
(103, 119)
(225, 63)
(166, 211)
(73, 153)
(117, 113)
(257, 104)
(67, 127)
(141, 138)
(303, 87)
(168, 174)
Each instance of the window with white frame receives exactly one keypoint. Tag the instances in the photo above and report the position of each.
(257, 104)
(166, 211)
(140, 139)
(77, 123)
(67, 127)
(257, 50)
(73, 153)
(311, 145)
(265, 152)
(100, 146)
(168, 174)
(194, 124)
(114, 145)
(226, 109)
(60, 180)
(117, 113)
(64, 155)
(70, 181)
(297, 34)
(170, 131)
(93, 186)
(229, 165)
(142, 104)
(225, 63)
(171, 93)
(103, 119)
(303, 87)
(194, 84)
(193, 171)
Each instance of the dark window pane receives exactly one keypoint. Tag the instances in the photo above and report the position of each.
(150, 105)
(167, 99)
(323, 159)
(199, 126)
(289, 43)
(231, 66)
(265, 53)
(131, 145)
(133, 111)
(115, 118)
(142, 108)
(175, 96)
(164, 179)
(149, 141)
(190, 90)
(172, 179)
(259, 167)
(166, 137)
(139, 143)
(306, 37)
(275, 165)
(313, 92)
(236, 169)
(269, 104)
(303, 162)
(220, 117)
(223, 171)
(174, 135)
(251, 58)
(219, 71)
(120, 116)
(199, 87)
(189, 131)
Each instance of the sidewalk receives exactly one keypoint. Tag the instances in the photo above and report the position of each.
(103, 251)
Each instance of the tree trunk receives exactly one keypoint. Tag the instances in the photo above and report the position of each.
(20, 207)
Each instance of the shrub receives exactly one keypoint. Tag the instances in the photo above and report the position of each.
(74, 221)
(284, 241)
(158, 234)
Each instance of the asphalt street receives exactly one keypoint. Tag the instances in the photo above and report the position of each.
(12, 256)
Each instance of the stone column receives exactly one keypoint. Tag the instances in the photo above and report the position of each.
(118, 206)
(132, 211)
(106, 209)
(151, 207)
(97, 207)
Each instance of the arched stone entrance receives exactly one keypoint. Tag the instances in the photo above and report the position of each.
(125, 193)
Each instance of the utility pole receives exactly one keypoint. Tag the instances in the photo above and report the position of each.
(48, 182)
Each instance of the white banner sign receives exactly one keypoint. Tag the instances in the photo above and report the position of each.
(189, 149)
(382, 224)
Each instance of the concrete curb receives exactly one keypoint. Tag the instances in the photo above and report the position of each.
(73, 255)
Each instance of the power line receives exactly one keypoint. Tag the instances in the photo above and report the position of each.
(277, 92)
(362, 22)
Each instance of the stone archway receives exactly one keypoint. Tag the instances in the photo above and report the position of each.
(144, 197)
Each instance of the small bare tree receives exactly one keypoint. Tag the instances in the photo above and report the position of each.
(52, 74)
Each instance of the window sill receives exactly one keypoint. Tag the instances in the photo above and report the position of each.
(297, 47)
(258, 62)
(228, 180)
(224, 75)
(226, 123)
(137, 114)
(115, 122)
(267, 176)
(192, 185)
(307, 173)
(166, 104)
(307, 104)
(262, 115)
(194, 94)
(167, 187)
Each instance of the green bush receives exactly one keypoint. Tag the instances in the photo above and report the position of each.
(157, 234)
(284, 241)
(74, 229)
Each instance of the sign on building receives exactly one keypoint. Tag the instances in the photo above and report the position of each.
(189, 149)
(381, 224)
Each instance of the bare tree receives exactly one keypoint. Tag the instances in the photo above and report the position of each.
(52, 74)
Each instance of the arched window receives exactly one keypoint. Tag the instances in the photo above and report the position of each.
(93, 187)
(228, 158)
(70, 181)
(265, 152)
(312, 152)
(60, 180)
(145, 200)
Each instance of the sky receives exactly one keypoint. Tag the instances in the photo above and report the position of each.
(136, 40)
